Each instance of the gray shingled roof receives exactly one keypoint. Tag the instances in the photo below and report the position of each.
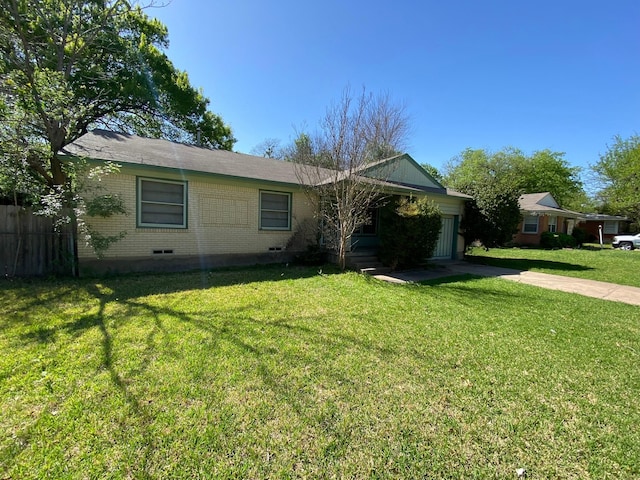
(599, 217)
(529, 202)
(131, 149)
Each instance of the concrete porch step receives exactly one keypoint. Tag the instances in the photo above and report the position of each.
(366, 261)
(362, 260)
(362, 253)
(375, 270)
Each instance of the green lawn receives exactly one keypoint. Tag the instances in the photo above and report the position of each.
(606, 265)
(287, 372)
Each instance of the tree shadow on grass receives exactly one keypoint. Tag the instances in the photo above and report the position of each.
(217, 324)
(76, 328)
(35, 293)
(465, 290)
(528, 264)
(434, 282)
(320, 348)
(140, 413)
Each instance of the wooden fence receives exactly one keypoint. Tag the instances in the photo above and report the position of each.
(30, 246)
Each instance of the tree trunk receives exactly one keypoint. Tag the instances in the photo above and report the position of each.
(342, 250)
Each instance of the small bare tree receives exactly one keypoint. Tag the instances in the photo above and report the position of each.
(344, 166)
(268, 148)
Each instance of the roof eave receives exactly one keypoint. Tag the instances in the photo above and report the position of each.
(182, 171)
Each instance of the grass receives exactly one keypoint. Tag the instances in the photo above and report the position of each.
(288, 372)
(593, 263)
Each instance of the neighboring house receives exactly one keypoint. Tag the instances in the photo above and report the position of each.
(611, 226)
(541, 213)
(191, 207)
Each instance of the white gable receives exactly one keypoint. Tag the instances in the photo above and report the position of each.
(404, 170)
(548, 201)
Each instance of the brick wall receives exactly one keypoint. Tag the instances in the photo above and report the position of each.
(543, 226)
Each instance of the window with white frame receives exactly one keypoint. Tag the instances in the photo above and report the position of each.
(553, 224)
(275, 211)
(162, 203)
(530, 224)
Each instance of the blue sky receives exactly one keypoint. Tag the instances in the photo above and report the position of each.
(562, 74)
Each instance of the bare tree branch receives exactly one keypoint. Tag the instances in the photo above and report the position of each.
(343, 168)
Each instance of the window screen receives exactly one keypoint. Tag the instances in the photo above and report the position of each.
(161, 203)
(275, 211)
(530, 224)
(610, 227)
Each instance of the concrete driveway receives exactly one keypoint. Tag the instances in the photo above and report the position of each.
(588, 288)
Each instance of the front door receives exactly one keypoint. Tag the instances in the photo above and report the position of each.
(367, 235)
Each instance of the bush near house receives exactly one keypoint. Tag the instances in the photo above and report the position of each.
(410, 233)
(314, 255)
(557, 240)
(580, 235)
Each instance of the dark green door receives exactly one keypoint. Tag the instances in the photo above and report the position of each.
(366, 238)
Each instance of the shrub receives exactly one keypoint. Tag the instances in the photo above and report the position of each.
(557, 240)
(410, 232)
(568, 241)
(492, 217)
(580, 235)
(313, 255)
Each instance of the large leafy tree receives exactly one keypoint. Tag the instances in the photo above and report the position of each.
(542, 171)
(493, 215)
(474, 164)
(619, 173)
(547, 171)
(68, 65)
(497, 179)
(300, 150)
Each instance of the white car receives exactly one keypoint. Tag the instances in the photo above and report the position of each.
(626, 242)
